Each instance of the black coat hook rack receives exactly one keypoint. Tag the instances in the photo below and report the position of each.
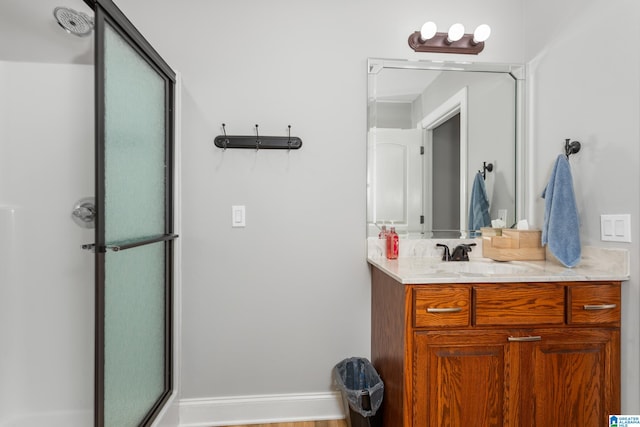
(571, 147)
(486, 167)
(257, 141)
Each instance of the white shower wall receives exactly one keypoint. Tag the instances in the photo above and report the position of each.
(46, 280)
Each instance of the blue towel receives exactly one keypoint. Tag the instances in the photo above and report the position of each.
(479, 206)
(561, 229)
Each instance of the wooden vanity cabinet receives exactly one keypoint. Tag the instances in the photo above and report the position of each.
(508, 354)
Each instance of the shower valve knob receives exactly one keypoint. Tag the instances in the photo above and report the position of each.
(84, 212)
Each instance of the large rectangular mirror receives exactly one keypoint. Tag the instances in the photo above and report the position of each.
(441, 139)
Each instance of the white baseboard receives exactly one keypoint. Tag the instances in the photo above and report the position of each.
(169, 415)
(226, 411)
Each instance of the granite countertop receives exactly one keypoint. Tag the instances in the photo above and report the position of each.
(420, 262)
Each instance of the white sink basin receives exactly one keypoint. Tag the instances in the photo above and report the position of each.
(483, 267)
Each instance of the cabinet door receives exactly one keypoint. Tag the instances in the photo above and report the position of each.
(460, 379)
(576, 373)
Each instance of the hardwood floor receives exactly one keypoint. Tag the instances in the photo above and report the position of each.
(329, 423)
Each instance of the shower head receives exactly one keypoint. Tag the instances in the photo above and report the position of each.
(73, 22)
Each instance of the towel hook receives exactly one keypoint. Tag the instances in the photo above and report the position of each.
(486, 167)
(257, 141)
(571, 147)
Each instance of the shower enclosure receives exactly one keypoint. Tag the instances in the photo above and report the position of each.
(85, 113)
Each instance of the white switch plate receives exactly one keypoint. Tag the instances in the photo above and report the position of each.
(615, 228)
(238, 217)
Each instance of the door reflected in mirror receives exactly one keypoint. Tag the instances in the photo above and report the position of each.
(431, 128)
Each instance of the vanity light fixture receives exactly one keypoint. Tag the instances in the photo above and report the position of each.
(428, 39)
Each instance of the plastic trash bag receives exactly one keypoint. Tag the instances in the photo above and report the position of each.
(360, 385)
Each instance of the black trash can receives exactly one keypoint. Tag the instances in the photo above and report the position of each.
(362, 391)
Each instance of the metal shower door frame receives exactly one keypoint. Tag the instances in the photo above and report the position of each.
(107, 13)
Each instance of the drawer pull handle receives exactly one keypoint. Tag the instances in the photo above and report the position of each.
(525, 339)
(599, 306)
(444, 310)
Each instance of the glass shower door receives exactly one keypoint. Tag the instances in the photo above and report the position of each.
(134, 228)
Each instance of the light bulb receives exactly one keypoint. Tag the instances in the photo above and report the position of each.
(481, 33)
(428, 30)
(456, 31)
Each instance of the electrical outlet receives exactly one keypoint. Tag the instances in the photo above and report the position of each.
(502, 214)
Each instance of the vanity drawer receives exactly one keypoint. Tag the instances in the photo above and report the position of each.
(441, 306)
(519, 304)
(593, 303)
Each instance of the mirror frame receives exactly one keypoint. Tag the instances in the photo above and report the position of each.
(517, 71)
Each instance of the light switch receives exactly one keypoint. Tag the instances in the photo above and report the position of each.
(615, 228)
(238, 218)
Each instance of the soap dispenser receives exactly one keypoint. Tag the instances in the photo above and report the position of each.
(383, 232)
(393, 244)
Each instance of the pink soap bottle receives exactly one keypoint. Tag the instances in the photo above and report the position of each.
(393, 244)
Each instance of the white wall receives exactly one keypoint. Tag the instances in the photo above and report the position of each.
(587, 88)
(46, 280)
(272, 307)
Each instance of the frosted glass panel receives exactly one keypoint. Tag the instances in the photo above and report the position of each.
(134, 143)
(134, 333)
(134, 210)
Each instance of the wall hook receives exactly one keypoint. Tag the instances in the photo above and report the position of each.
(257, 142)
(226, 140)
(571, 147)
(486, 167)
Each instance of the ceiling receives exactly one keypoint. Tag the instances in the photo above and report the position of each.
(402, 85)
(30, 33)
